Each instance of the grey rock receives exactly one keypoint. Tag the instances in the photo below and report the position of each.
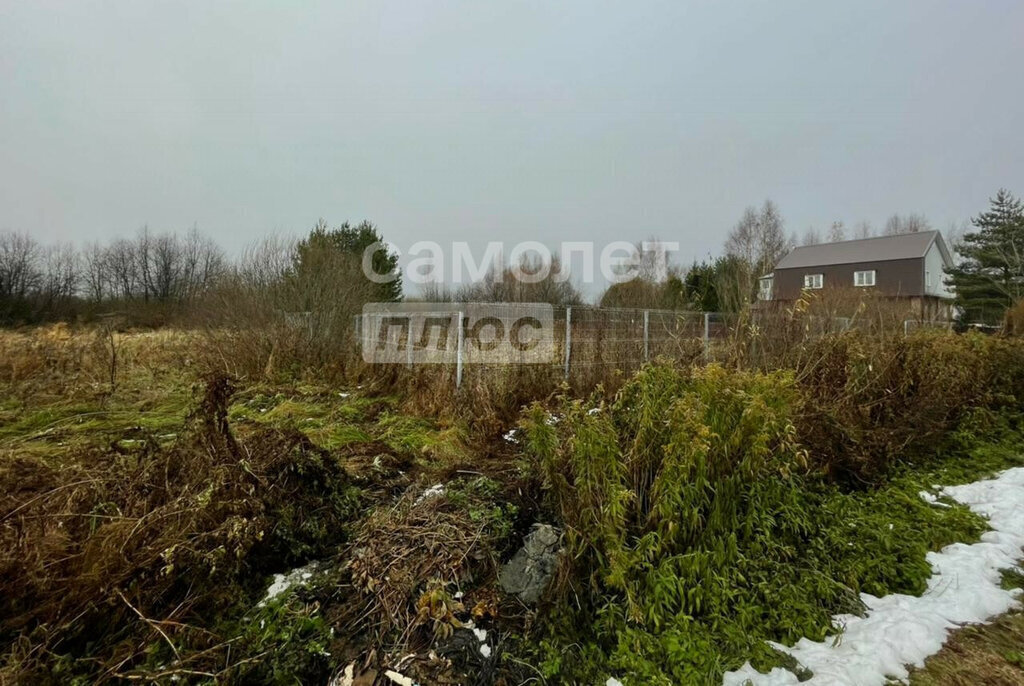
(530, 570)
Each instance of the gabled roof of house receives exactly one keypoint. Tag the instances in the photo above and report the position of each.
(879, 249)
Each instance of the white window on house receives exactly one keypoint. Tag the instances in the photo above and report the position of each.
(765, 290)
(814, 280)
(927, 279)
(865, 278)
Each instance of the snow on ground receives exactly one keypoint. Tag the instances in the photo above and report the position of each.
(282, 582)
(932, 499)
(432, 492)
(901, 630)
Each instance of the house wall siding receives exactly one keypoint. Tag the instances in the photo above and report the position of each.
(892, 278)
(935, 265)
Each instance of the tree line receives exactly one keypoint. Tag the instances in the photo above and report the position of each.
(168, 272)
(44, 282)
(156, 275)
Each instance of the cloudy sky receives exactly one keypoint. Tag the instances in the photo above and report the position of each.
(503, 120)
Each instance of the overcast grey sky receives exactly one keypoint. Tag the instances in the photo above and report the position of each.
(503, 120)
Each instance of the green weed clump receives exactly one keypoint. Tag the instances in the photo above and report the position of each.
(697, 528)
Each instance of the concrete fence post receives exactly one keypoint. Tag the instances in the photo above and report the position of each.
(568, 338)
(408, 345)
(458, 353)
(647, 329)
(707, 335)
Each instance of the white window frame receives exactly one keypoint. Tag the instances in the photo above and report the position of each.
(927, 279)
(765, 285)
(814, 281)
(865, 278)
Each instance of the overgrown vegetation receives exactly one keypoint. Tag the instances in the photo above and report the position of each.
(706, 509)
(699, 525)
(95, 549)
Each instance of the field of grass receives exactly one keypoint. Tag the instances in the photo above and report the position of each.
(147, 501)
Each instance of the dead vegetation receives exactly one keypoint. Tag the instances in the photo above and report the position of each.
(124, 546)
(140, 521)
(138, 550)
(990, 654)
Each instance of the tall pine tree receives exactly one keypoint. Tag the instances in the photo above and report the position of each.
(990, 278)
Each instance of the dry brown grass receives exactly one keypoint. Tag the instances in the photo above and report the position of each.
(61, 361)
(1013, 324)
(992, 655)
(123, 546)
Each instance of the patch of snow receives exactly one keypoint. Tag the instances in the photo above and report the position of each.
(344, 395)
(932, 499)
(481, 634)
(612, 681)
(485, 650)
(511, 436)
(594, 410)
(432, 492)
(901, 630)
(282, 582)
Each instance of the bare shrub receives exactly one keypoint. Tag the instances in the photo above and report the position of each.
(267, 321)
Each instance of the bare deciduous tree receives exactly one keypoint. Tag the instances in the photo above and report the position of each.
(60, 271)
(20, 272)
(95, 278)
(911, 223)
(811, 236)
(123, 270)
(546, 282)
(757, 242)
(837, 232)
(203, 264)
(863, 230)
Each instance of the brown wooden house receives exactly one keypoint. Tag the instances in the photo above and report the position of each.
(907, 266)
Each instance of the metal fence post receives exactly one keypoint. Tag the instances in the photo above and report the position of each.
(647, 328)
(458, 355)
(568, 338)
(707, 335)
